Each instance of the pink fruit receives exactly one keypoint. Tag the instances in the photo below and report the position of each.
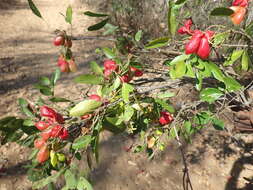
(204, 48)
(193, 45)
(64, 134)
(59, 40)
(41, 125)
(38, 143)
(43, 154)
(56, 131)
(165, 118)
(95, 97)
(110, 65)
(125, 78)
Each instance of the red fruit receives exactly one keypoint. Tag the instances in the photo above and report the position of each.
(68, 43)
(47, 112)
(193, 44)
(186, 29)
(72, 65)
(241, 3)
(56, 131)
(165, 118)
(41, 125)
(38, 143)
(204, 48)
(95, 97)
(59, 40)
(125, 78)
(45, 135)
(137, 72)
(110, 65)
(86, 116)
(63, 64)
(64, 134)
(209, 34)
(239, 13)
(107, 74)
(43, 154)
(59, 118)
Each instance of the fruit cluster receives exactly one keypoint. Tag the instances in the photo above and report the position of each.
(66, 62)
(240, 8)
(111, 66)
(50, 128)
(199, 42)
(165, 118)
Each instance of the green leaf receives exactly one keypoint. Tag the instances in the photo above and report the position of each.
(45, 81)
(179, 2)
(43, 182)
(232, 84)
(210, 94)
(199, 81)
(172, 22)
(89, 79)
(220, 38)
(116, 83)
(34, 8)
(96, 68)
(179, 58)
(249, 29)
(98, 25)
(159, 42)
(178, 70)
(82, 142)
(218, 124)
(189, 70)
(24, 107)
(70, 179)
(165, 105)
(221, 11)
(217, 73)
(126, 90)
(83, 184)
(109, 53)
(188, 127)
(245, 60)
(59, 99)
(114, 124)
(28, 123)
(129, 112)
(46, 92)
(10, 124)
(166, 95)
(55, 76)
(234, 57)
(84, 107)
(92, 14)
(138, 36)
(69, 13)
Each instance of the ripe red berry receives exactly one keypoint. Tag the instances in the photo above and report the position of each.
(46, 111)
(38, 143)
(204, 48)
(64, 134)
(107, 74)
(56, 131)
(193, 45)
(41, 125)
(95, 97)
(46, 135)
(63, 64)
(165, 118)
(126, 78)
(43, 154)
(68, 43)
(86, 116)
(110, 65)
(136, 72)
(59, 40)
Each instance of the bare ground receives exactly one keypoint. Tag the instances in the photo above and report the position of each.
(215, 162)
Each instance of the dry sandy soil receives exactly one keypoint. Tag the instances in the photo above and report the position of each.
(215, 162)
